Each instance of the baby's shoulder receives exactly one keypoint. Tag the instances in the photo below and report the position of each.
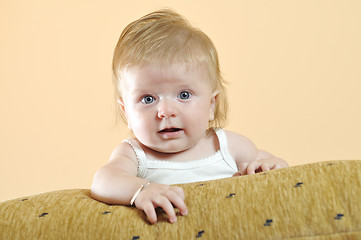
(124, 152)
(240, 147)
(236, 138)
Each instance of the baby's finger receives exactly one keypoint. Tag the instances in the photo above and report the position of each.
(179, 191)
(178, 202)
(243, 168)
(149, 210)
(265, 167)
(276, 166)
(251, 169)
(254, 167)
(166, 205)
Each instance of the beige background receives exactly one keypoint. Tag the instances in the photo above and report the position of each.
(294, 69)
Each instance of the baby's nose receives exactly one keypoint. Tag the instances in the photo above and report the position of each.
(166, 109)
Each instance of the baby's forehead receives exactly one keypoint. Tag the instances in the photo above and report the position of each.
(172, 73)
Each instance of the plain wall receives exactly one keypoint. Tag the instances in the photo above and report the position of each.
(293, 67)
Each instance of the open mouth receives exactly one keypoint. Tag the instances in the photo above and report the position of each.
(170, 130)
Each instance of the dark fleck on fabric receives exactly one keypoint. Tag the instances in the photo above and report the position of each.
(268, 223)
(200, 233)
(231, 195)
(298, 184)
(339, 216)
(106, 212)
(135, 238)
(43, 214)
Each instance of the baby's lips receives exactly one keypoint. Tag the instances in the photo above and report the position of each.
(170, 130)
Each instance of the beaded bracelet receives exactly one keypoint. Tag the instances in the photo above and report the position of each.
(137, 193)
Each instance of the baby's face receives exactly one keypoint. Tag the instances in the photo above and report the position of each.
(168, 107)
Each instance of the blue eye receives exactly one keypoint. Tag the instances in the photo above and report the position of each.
(184, 95)
(147, 99)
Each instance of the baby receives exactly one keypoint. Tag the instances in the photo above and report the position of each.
(171, 94)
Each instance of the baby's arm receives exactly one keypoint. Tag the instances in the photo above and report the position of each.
(116, 183)
(249, 159)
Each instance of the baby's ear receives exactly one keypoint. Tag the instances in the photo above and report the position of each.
(122, 107)
(121, 104)
(213, 104)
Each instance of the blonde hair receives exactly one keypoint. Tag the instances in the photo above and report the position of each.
(165, 37)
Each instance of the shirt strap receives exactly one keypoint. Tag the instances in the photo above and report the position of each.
(223, 144)
(141, 157)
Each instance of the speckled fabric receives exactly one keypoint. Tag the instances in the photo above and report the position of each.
(314, 201)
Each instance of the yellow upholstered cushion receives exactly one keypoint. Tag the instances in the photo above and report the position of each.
(314, 201)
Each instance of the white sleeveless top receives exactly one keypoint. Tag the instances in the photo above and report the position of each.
(219, 165)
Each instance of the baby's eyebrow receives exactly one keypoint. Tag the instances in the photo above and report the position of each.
(141, 90)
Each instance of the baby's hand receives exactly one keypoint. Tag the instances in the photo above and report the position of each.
(261, 165)
(161, 195)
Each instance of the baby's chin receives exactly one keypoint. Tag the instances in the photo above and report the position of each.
(168, 150)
